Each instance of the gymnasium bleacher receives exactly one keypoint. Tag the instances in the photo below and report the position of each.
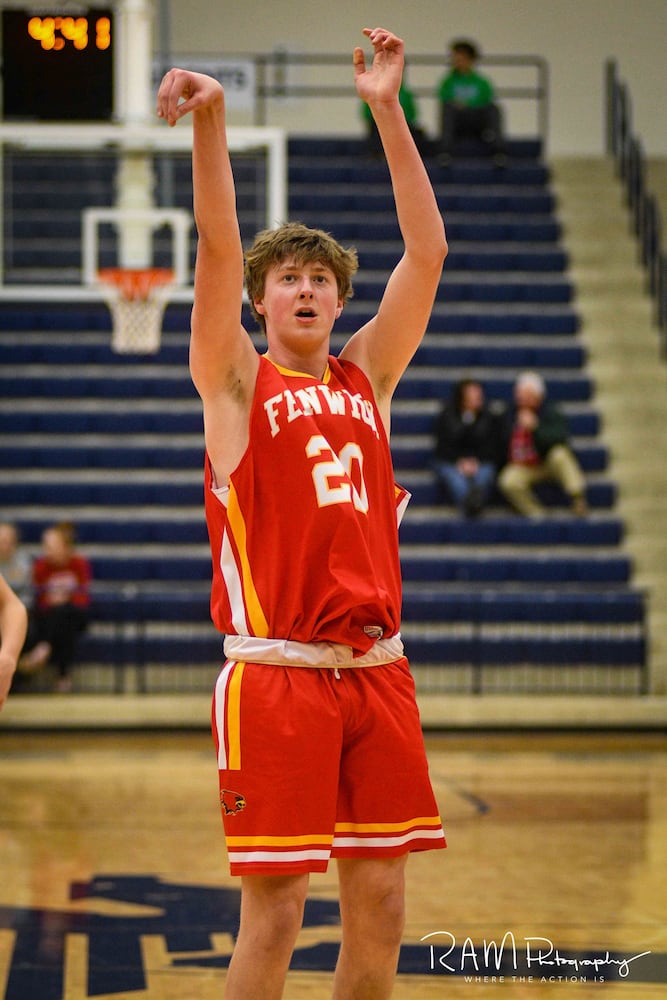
(114, 443)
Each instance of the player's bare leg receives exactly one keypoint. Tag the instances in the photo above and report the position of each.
(271, 918)
(372, 903)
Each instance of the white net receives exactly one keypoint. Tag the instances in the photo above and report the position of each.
(137, 301)
(137, 324)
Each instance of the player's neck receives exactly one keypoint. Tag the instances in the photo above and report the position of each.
(313, 363)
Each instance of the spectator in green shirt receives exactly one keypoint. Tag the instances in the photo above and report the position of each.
(467, 105)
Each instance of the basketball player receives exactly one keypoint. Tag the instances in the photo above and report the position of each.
(13, 628)
(320, 748)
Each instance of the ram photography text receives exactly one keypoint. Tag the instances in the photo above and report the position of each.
(524, 959)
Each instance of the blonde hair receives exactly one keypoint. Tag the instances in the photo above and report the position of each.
(295, 241)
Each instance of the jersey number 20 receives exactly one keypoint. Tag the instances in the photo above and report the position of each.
(333, 476)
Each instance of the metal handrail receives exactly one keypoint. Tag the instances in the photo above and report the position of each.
(627, 151)
(273, 72)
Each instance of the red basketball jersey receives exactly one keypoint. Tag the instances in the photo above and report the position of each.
(304, 538)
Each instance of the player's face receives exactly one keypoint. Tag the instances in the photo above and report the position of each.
(300, 301)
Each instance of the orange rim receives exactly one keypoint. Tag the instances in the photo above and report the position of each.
(136, 282)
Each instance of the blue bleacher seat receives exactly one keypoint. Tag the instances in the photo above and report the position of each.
(75, 418)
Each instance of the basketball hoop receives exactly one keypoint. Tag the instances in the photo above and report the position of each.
(137, 298)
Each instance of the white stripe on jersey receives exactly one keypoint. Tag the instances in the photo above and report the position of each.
(232, 578)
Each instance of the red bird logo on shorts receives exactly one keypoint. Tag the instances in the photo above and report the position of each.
(231, 802)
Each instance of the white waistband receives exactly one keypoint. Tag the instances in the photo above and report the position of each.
(285, 652)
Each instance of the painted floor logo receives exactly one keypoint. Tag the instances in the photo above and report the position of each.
(187, 917)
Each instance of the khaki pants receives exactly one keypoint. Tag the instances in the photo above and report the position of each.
(559, 465)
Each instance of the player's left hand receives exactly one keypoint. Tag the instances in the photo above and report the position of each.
(382, 80)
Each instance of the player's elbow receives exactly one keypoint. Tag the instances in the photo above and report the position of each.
(433, 248)
(443, 249)
(431, 255)
(441, 246)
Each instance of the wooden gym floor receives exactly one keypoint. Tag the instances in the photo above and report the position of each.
(113, 878)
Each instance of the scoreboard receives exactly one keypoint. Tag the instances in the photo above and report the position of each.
(57, 67)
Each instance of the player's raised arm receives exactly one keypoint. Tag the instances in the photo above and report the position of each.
(222, 358)
(385, 346)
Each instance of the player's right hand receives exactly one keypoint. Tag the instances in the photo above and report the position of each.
(182, 91)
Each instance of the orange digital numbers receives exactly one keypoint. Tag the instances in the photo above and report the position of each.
(103, 33)
(53, 33)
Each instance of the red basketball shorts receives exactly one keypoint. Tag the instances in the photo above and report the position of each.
(317, 763)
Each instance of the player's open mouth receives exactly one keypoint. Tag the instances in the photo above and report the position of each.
(306, 314)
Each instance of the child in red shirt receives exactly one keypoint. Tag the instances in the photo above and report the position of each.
(61, 580)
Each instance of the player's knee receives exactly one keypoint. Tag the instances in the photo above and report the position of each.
(391, 919)
(379, 908)
(277, 905)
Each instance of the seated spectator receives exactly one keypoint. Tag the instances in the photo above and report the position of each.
(408, 102)
(468, 108)
(470, 446)
(539, 451)
(13, 625)
(61, 580)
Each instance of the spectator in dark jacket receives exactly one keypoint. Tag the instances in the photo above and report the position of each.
(470, 446)
(539, 451)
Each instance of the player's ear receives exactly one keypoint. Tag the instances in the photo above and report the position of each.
(259, 306)
(339, 308)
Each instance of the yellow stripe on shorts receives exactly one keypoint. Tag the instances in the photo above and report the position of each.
(234, 718)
